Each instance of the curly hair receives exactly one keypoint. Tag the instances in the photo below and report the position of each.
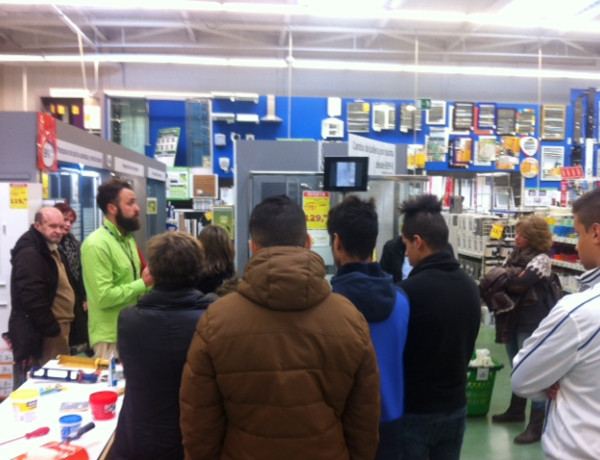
(65, 208)
(536, 231)
(176, 260)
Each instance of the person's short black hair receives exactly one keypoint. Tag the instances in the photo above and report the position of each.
(355, 222)
(587, 208)
(423, 217)
(176, 260)
(278, 221)
(108, 192)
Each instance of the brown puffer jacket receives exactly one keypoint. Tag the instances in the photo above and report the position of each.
(281, 370)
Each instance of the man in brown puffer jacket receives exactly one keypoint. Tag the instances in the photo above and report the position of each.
(283, 369)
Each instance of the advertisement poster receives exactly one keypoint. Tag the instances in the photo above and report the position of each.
(223, 216)
(166, 145)
(46, 143)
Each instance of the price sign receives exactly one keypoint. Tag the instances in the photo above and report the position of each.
(316, 208)
(19, 196)
(496, 232)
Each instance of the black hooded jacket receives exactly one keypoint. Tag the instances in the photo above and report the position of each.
(445, 311)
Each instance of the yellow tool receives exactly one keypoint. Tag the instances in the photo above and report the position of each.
(87, 363)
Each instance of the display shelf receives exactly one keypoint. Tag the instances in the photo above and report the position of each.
(564, 239)
(569, 265)
(475, 255)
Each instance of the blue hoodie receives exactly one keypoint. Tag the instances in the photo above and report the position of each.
(385, 307)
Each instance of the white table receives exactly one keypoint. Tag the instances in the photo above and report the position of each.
(48, 412)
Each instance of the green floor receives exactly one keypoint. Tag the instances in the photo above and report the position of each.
(485, 440)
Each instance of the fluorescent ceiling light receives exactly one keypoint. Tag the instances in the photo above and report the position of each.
(355, 66)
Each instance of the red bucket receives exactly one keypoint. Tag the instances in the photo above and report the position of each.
(103, 404)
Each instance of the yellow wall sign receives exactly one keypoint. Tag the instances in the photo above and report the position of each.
(19, 196)
(316, 208)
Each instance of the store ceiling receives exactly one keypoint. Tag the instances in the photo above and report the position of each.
(52, 30)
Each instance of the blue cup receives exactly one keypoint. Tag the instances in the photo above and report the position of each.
(69, 424)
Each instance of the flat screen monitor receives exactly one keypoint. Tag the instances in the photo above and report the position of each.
(346, 174)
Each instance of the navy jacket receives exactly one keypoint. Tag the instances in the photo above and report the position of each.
(153, 340)
(385, 307)
(445, 311)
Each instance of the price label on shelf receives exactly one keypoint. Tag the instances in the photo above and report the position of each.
(316, 208)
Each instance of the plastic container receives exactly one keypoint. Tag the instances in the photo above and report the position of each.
(69, 424)
(103, 405)
(25, 404)
(480, 385)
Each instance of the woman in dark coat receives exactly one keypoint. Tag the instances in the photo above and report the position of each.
(153, 339)
(79, 341)
(529, 274)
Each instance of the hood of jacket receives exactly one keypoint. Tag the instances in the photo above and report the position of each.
(441, 260)
(176, 299)
(30, 238)
(368, 287)
(285, 278)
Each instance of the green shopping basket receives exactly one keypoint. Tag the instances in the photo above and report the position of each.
(480, 384)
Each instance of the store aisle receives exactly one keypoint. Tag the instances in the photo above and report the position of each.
(485, 440)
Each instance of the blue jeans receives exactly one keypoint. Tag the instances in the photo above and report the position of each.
(512, 348)
(433, 436)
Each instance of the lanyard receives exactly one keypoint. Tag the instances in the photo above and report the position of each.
(126, 250)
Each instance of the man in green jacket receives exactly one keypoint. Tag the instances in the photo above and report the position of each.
(112, 269)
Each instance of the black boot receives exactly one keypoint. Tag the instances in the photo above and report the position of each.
(514, 413)
(533, 432)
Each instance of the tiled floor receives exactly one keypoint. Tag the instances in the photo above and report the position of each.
(485, 440)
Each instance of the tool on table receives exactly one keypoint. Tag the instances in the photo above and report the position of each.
(80, 432)
(65, 375)
(87, 363)
(43, 431)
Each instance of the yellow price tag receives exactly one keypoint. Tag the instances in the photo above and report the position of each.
(316, 208)
(496, 232)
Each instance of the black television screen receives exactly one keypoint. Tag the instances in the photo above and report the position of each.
(345, 174)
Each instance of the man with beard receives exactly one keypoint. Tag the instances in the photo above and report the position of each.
(112, 269)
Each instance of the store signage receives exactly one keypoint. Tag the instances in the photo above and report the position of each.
(316, 208)
(156, 174)
(72, 153)
(46, 143)
(424, 104)
(382, 156)
(128, 167)
(19, 196)
(529, 145)
(572, 172)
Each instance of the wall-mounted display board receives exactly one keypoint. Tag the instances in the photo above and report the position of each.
(506, 118)
(486, 118)
(384, 116)
(463, 115)
(410, 118)
(486, 151)
(526, 122)
(437, 144)
(553, 122)
(358, 117)
(462, 151)
(553, 159)
(436, 115)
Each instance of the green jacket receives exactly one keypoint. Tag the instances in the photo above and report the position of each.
(111, 273)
